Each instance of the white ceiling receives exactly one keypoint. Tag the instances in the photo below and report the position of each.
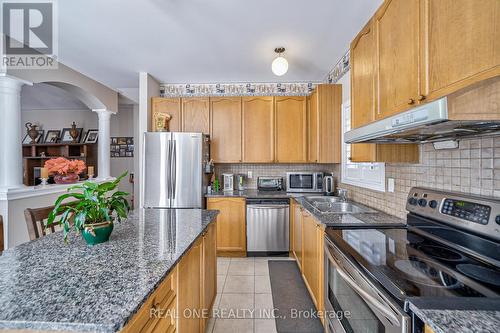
(206, 41)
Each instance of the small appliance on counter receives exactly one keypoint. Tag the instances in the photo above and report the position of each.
(270, 183)
(228, 179)
(240, 182)
(328, 185)
(304, 181)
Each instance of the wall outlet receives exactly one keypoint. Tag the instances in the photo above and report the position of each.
(390, 184)
(249, 174)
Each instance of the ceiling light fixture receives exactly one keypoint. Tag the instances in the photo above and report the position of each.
(280, 64)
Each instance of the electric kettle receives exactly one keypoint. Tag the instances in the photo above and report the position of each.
(328, 185)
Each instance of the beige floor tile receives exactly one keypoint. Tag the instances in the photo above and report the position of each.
(262, 284)
(223, 259)
(222, 267)
(263, 306)
(233, 326)
(217, 300)
(241, 268)
(239, 284)
(265, 326)
(244, 259)
(221, 279)
(236, 306)
(261, 267)
(210, 325)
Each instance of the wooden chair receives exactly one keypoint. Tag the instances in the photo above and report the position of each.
(35, 220)
(1, 234)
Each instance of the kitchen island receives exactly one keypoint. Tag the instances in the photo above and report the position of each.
(48, 285)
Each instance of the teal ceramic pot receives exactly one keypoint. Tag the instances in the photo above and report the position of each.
(97, 233)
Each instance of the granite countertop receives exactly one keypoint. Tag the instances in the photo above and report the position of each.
(378, 219)
(46, 284)
(458, 315)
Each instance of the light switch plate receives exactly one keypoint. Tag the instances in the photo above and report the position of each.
(390, 184)
(249, 174)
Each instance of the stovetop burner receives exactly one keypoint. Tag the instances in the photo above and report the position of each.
(480, 273)
(426, 273)
(441, 252)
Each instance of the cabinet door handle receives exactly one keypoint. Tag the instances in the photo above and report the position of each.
(421, 98)
(411, 101)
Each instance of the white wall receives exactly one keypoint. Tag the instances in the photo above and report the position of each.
(59, 119)
(345, 81)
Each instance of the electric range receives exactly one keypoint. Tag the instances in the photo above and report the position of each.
(450, 248)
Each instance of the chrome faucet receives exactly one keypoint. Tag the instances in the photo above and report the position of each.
(342, 194)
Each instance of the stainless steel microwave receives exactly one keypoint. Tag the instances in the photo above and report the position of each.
(304, 181)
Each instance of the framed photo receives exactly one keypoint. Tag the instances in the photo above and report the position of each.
(27, 139)
(91, 136)
(52, 136)
(66, 138)
(122, 141)
(113, 141)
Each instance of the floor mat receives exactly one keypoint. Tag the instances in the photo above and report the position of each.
(291, 299)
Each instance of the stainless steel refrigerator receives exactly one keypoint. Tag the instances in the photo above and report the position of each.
(174, 169)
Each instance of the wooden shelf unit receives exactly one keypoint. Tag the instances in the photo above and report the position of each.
(86, 152)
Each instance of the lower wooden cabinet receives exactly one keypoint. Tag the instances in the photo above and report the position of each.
(296, 231)
(312, 262)
(231, 225)
(184, 300)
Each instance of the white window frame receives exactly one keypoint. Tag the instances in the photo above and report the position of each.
(376, 179)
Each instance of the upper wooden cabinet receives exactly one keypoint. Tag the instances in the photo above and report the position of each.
(324, 123)
(195, 115)
(291, 129)
(161, 107)
(258, 129)
(397, 53)
(225, 129)
(460, 44)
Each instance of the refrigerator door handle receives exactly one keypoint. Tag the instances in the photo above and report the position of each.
(173, 177)
(169, 162)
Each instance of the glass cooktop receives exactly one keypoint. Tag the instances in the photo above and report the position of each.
(409, 264)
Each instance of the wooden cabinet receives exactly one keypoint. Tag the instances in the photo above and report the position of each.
(190, 289)
(209, 269)
(196, 114)
(157, 315)
(225, 129)
(364, 105)
(296, 240)
(460, 44)
(397, 56)
(324, 123)
(231, 225)
(312, 266)
(258, 129)
(163, 107)
(291, 129)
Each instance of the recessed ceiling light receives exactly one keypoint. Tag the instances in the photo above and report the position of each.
(280, 64)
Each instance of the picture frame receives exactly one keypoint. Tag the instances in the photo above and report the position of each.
(92, 136)
(122, 147)
(27, 139)
(52, 136)
(66, 137)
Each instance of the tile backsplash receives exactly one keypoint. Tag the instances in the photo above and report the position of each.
(472, 168)
(269, 170)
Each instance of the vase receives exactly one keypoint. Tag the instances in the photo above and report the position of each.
(69, 178)
(32, 132)
(73, 132)
(97, 233)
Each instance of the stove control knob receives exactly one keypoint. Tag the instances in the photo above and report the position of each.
(422, 202)
(497, 220)
(433, 204)
(412, 201)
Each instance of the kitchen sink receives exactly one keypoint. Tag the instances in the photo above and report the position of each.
(334, 205)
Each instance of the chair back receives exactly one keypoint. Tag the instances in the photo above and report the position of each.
(36, 220)
(1, 234)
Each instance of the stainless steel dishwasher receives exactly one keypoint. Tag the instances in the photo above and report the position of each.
(268, 227)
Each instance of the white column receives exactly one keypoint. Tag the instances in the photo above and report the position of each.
(103, 144)
(11, 133)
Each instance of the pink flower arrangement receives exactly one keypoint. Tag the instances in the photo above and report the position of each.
(63, 166)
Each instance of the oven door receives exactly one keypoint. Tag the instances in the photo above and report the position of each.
(353, 304)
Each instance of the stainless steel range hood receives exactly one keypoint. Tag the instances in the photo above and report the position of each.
(425, 123)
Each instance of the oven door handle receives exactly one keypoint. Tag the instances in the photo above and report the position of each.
(267, 206)
(367, 297)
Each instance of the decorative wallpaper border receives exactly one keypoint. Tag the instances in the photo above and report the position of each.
(342, 66)
(236, 89)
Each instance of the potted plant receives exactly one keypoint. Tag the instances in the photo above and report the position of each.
(65, 171)
(94, 211)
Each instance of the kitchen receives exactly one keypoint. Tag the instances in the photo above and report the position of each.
(370, 198)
